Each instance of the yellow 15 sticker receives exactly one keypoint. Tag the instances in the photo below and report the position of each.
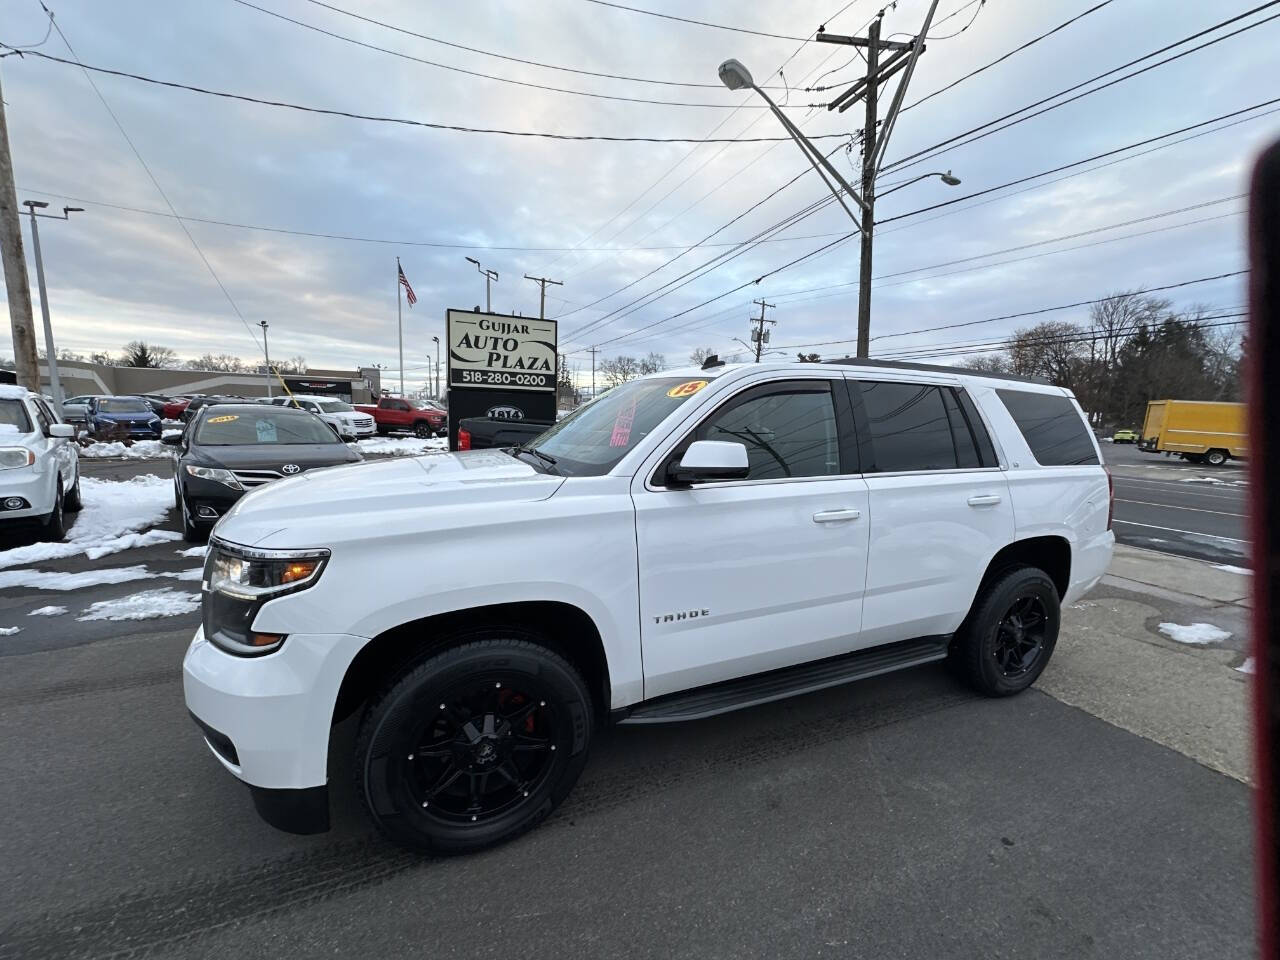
(226, 419)
(686, 389)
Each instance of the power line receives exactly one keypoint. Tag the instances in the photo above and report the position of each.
(143, 163)
(485, 76)
(456, 128)
(1030, 43)
(700, 23)
(949, 144)
(511, 59)
(1017, 316)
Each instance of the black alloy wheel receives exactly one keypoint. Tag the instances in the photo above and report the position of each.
(1010, 633)
(1020, 636)
(474, 745)
(422, 430)
(55, 523)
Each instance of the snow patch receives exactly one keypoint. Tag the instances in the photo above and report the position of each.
(193, 574)
(47, 580)
(1217, 481)
(1195, 634)
(1230, 569)
(401, 446)
(1247, 667)
(112, 510)
(9, 428)
(49, 611)
(147, 605)
(9, 631)
(199, 551)
(10, 392)
(138, 450)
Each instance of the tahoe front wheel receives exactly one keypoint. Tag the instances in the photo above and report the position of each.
(473, 746)
(1009, 635)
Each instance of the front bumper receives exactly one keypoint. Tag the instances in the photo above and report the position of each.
(38, 489)
(210, 495)
(267, 719)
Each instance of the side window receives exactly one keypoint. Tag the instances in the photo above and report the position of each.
(42, 417)
(961, 433)
(787, 433)
(986, 449)
(1052, 427)
(910, 428)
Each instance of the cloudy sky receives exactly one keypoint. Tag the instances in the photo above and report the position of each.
(615, 220)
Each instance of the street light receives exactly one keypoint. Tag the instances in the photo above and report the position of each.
(55, 382)
(489, 276)
(266, 353)
(946, 178)
(437, 340)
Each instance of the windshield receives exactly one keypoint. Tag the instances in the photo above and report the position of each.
(590, 441)
(13, 416)
(123, 405)
(335, 406)
(263, 427)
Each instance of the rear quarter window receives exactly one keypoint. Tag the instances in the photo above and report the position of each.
(1052, 427)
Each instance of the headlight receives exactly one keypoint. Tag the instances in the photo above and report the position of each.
(239, 580)
(217, 474)
(16, 457)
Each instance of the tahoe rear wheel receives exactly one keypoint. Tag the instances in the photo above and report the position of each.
(473, 746)
(1010, 633)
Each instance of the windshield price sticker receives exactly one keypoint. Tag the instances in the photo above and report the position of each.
(687, 389)
(225, 419)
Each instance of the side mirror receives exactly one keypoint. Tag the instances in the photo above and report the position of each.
(172, 440)
(707, 460)
(61, 431)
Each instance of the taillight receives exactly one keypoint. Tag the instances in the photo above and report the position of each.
(464, 443)
(1111, 497)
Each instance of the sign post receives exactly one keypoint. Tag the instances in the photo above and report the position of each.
(500, 366)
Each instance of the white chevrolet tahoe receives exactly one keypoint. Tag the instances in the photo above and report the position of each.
(691, 543)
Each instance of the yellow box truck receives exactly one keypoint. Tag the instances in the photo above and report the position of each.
(1202, 431)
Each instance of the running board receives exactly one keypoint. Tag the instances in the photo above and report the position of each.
(788, 682)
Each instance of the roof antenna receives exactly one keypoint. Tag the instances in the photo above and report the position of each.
(712, 362)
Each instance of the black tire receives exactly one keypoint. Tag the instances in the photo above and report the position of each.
(450, 798)
(383, 431)
(74, 502)
(55, 523)
(1216, 458)
(422, 430)
(191, 533)
(1000, 658)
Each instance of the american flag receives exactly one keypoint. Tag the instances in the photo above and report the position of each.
(408, 290)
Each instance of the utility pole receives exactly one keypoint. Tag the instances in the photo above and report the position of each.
(594, 351)
(489, 277)
(874, 139)
(17, 287)
(50, 349)
(542, 282)
(437, 382)
(760, 336)
(266, 353)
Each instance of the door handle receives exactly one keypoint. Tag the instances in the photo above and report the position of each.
(984, 500)
(834, 516)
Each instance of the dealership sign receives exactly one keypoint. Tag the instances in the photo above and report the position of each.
(497, 352)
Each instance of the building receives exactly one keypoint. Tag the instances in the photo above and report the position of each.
(81, 377)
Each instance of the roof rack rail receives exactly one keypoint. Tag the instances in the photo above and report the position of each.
(935, 368)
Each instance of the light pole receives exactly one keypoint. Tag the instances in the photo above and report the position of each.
(437, 391)
(55, 383)
(875, 135)
(946, 178)
(266, 353)
(489, 277)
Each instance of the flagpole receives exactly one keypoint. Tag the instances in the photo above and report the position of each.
(400, 324)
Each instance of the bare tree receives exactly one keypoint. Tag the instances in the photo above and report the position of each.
(652, 364)
(619, 369)
(809, 357)
(296, 364)
(139, 353)
(698, 356)
(1050, 350)
(222, 363)
(990, 363)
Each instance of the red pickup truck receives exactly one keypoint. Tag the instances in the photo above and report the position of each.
(393, 413)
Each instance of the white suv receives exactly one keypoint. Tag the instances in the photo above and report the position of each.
(39, 464)
(690, 543)
(350, 423)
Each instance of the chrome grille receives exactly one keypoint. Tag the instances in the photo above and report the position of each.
(255, 478)
(362, 421)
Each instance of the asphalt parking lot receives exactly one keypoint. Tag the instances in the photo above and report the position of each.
(1103, 814)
